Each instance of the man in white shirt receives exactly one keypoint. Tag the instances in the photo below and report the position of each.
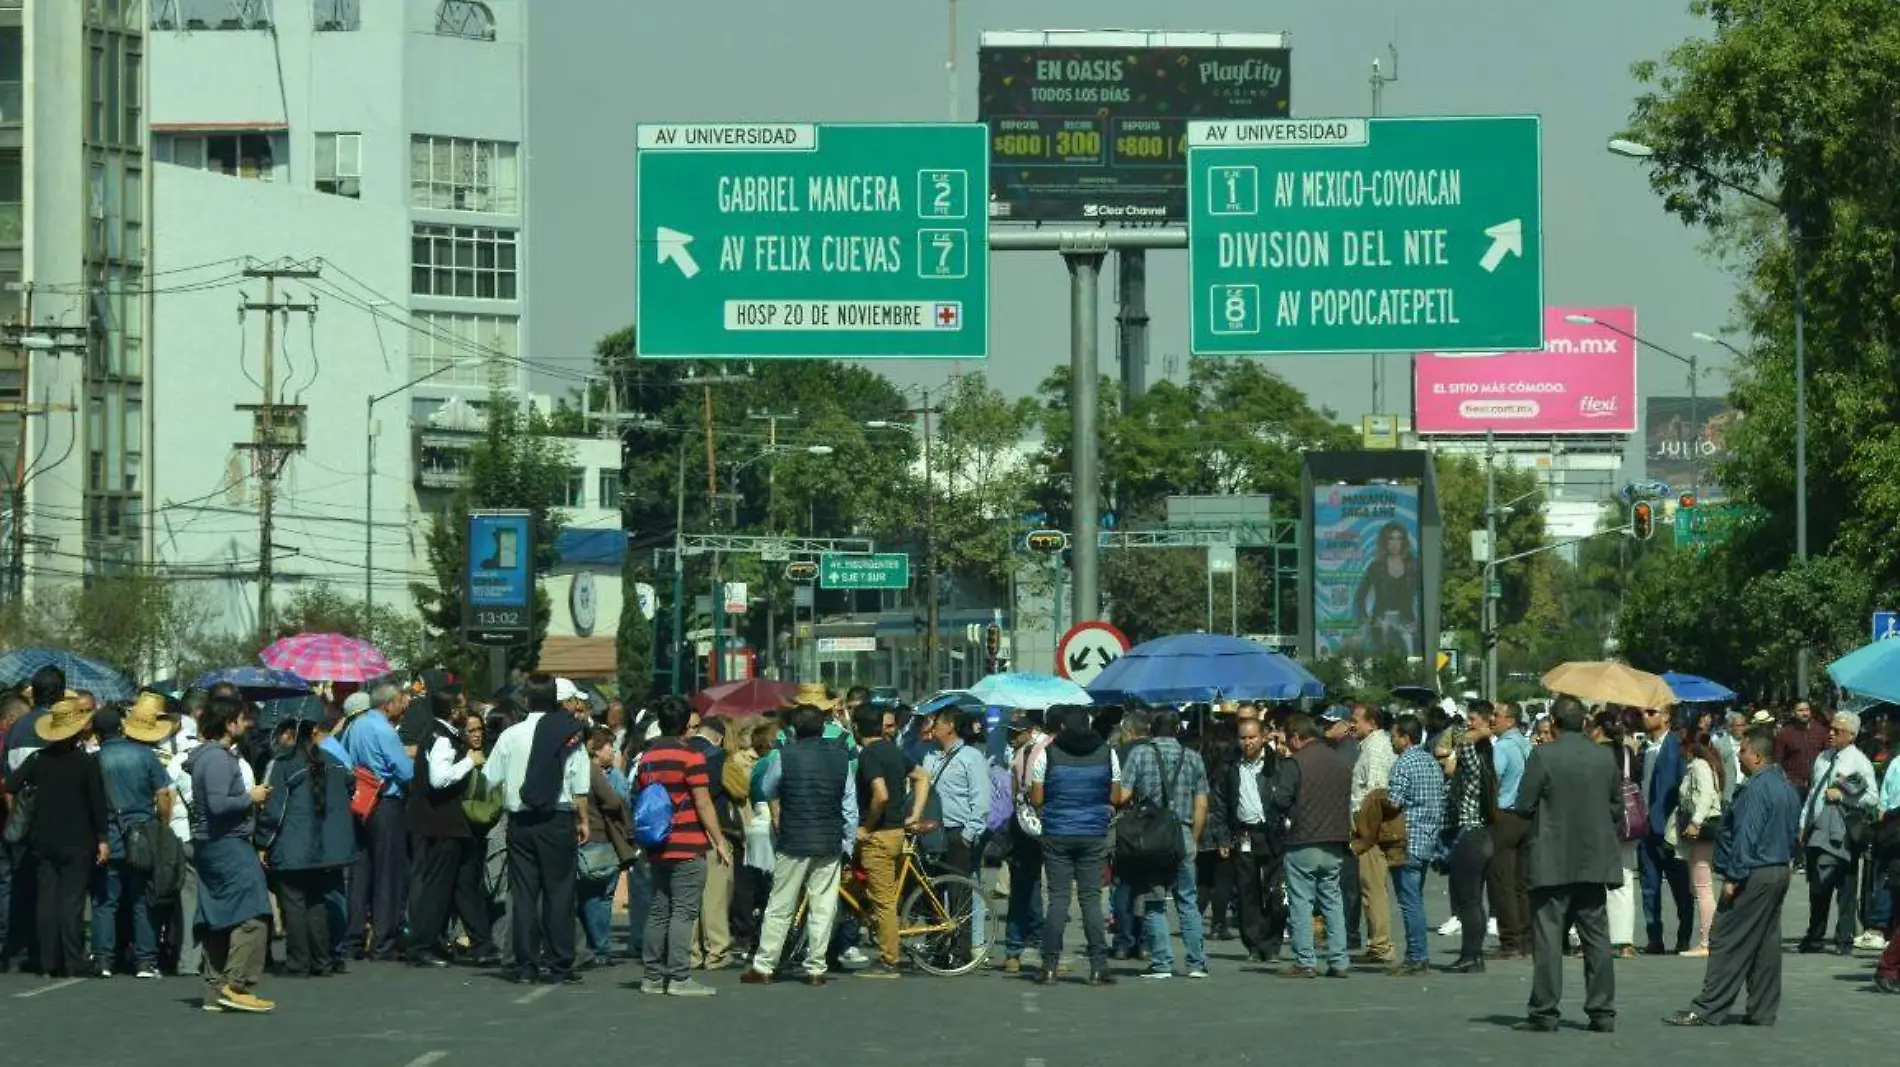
(541, 757)
(1373, 770)
(1842, 792)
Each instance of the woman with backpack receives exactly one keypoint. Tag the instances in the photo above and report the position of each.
(307, 831)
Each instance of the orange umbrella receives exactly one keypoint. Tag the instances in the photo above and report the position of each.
(1607, 682)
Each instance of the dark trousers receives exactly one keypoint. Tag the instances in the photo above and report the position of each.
(1555, 909)
(1831, 886)
(1260, 879)
(541, 849)
(750, 888)
(22, 904)
(1470, 862)
(1214, 873)
(1657, 864)
(1355, 902)
(961, 857)
(378, 882)
(1023, 923)
(1076, 863)
(1745, 949)
(63, 874)
(443, 881)
(1509, 892)
(307, 934)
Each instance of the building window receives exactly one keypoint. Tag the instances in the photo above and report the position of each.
(336, 16)
(207, 14)
(340, 164)
(609, 488)
(463, 261)
(480, 343)
(12, 62)
(257, 155)
(576, 495)
(465, 18)
(12, 225)
(456, 174)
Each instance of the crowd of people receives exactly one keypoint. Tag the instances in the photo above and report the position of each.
(409, 823)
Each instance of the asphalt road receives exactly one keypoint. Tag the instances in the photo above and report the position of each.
(388, 1015)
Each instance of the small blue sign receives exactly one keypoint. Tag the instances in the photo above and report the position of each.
(499, 598)
(1886, 625)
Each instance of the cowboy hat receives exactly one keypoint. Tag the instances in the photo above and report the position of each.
(814, 693)
(145, 720)
(66, 719)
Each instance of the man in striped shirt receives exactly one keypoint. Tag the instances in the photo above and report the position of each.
(679, 864)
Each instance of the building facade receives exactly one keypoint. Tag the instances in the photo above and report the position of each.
(341, 188)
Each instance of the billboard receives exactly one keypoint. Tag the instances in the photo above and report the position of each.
(499, 606)
(1583, 382)
(1368, 580)
(1684, 442)
(1092, 126)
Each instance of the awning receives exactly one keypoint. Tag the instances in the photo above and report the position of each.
(592, 658)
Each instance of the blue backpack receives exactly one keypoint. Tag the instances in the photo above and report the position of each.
(1002, 799)
(652, 816)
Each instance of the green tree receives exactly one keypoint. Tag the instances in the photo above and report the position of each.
(633, 640)
(518, 463)
(982, 477)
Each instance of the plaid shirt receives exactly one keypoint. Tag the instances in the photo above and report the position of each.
(1418, 786)
(1150, 766)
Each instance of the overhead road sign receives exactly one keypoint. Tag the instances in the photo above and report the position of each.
(812, 241)
(1091, 125)
(883, 570)
(1324, 236)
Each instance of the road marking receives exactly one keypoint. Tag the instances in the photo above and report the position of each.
(1030, 1006)
(428, 1058)
(49, 988)
(533, 995)
(1033, 1061)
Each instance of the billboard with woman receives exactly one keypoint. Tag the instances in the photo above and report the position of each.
(1368, 583)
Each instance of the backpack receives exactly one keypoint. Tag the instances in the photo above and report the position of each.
(1148, 836)
(20, 819)
(652, 816)
(1002, 799)
(168, 867)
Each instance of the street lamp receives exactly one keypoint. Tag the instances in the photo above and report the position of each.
(369, 481)
(1695, 377)
(931, 620)
(732, 493)
(1640, 151)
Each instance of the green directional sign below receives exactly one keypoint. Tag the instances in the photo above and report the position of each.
(884, 570)
(813, 241)
(1316, 236)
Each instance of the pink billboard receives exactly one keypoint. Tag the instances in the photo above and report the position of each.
(1584, 381)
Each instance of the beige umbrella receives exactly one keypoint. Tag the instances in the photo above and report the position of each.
(1605, 682)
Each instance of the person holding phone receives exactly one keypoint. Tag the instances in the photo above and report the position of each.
(233, 900)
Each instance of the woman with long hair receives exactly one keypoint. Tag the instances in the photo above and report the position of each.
(306, 829)
(1692, 832)
(1386, 601)
(1606, 729)
(1471, 806)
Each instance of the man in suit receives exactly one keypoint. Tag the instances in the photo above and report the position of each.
(1663, 771)
(1572, 792)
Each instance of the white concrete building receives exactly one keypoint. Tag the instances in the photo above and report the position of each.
(73, 251)
(381, 145)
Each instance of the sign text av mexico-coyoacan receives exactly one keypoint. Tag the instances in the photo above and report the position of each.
(1365, 235)
(810, 241)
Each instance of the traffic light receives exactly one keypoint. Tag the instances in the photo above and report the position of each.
(1643, 521)
(1686, 502)
(1046, 541)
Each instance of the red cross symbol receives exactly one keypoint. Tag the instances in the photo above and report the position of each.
(946, 315)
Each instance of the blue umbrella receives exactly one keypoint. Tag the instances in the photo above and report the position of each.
(1189, 668)
(1870, 671)
(274, 713)
(101, 681)
(256, 682)
(953, 698)
(1695, 689)
(1028, 689)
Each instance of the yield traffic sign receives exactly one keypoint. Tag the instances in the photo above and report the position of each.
(1087, 650)
(813, 241)
(1365, 235)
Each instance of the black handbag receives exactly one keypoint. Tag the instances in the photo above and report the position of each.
(1148, 836)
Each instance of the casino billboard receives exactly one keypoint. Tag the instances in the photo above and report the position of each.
(1091, 126)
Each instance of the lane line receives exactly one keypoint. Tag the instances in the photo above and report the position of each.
(61, 984)
(1030, 1007)
(1033, 1061)
(428, 1058)
(533, 995)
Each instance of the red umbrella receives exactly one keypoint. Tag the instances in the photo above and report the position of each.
(752, 696)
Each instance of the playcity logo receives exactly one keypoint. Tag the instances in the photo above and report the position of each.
(1246, 72)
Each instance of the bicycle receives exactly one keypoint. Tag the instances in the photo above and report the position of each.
(927, 930)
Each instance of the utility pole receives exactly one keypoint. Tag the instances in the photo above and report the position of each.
(771, 420)
(931, 620)
(277, 429)
(1489, 637)
(1379, 80)
(23, 339)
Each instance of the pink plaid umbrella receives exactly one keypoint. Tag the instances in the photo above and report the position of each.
(326, 658)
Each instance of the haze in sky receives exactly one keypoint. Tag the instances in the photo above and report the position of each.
(598, 67)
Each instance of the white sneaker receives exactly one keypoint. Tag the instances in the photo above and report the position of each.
(1198, 972)
(1451, 927)
(854, 957)
(1491, 926)
(1871, 941)
(148, 971)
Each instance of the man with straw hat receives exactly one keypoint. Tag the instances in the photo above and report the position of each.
(138, 800)
(67, 830)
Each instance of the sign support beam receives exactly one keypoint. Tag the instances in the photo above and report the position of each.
(1085, 275)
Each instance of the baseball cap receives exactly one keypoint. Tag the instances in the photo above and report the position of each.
(1762, 718)
(355, 704)
(1020, 720)
(1333, 713)
(565, 691)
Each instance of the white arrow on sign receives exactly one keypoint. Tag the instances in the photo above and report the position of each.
(672, 245)
(1507, 239)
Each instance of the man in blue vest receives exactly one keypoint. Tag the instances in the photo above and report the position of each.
(814, 804)
(1074, 783)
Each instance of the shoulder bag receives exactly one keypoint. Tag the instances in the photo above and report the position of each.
(1148, 836)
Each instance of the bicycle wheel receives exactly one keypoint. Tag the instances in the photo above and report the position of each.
(936, 917)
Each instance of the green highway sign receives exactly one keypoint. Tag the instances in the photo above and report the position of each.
(884, 570)
(813, 241)
(1321, 236)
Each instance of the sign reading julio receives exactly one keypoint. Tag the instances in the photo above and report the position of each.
(807, 241)
(883, 570)
(1365, 235)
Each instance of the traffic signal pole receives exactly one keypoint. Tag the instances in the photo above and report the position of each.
(1489, 637)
